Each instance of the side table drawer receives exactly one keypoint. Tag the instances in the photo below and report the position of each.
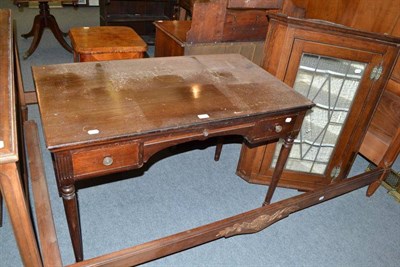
(106, 159)
(86, 57)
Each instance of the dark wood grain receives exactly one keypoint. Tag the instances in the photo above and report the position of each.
(367, 15)
(227, 20)
(156, 94)
(152, 104)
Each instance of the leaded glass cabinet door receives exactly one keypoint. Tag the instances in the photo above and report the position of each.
(343, 71)
(332, 84)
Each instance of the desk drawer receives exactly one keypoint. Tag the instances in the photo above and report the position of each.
(106, 159)
(274, 128)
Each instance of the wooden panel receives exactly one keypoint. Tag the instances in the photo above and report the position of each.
(249, 25)
(384, 127)
(207, 21)
(294, 9)
(396, 72)
(333, 10)
(233, 20)
(387, 116)
(396, 28)
(368, 15)
(384, 15)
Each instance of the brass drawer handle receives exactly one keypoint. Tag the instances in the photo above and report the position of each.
(107, 161)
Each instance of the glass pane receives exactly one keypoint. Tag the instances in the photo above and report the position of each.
(331, 84)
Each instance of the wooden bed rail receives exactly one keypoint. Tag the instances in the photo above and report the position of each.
(46, 229)
(248, 222)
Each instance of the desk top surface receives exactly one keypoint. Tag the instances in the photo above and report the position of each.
(99, 101)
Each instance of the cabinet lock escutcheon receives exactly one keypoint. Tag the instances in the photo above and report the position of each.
(335, 172)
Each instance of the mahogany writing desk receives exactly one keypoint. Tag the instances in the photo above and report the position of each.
(105, 117)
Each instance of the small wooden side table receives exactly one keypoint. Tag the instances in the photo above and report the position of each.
(106, 43)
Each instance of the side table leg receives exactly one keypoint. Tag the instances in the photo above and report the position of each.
(280, 164)
(52, 24)
(36, 21)
(37, 35)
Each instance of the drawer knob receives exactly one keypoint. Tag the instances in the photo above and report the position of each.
(107, 161)
(278, 128)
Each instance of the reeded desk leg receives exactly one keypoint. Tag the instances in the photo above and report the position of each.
(66, 187)
(69, 196)
(280, 164)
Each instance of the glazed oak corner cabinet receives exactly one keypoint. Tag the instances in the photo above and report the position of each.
(343, 71)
